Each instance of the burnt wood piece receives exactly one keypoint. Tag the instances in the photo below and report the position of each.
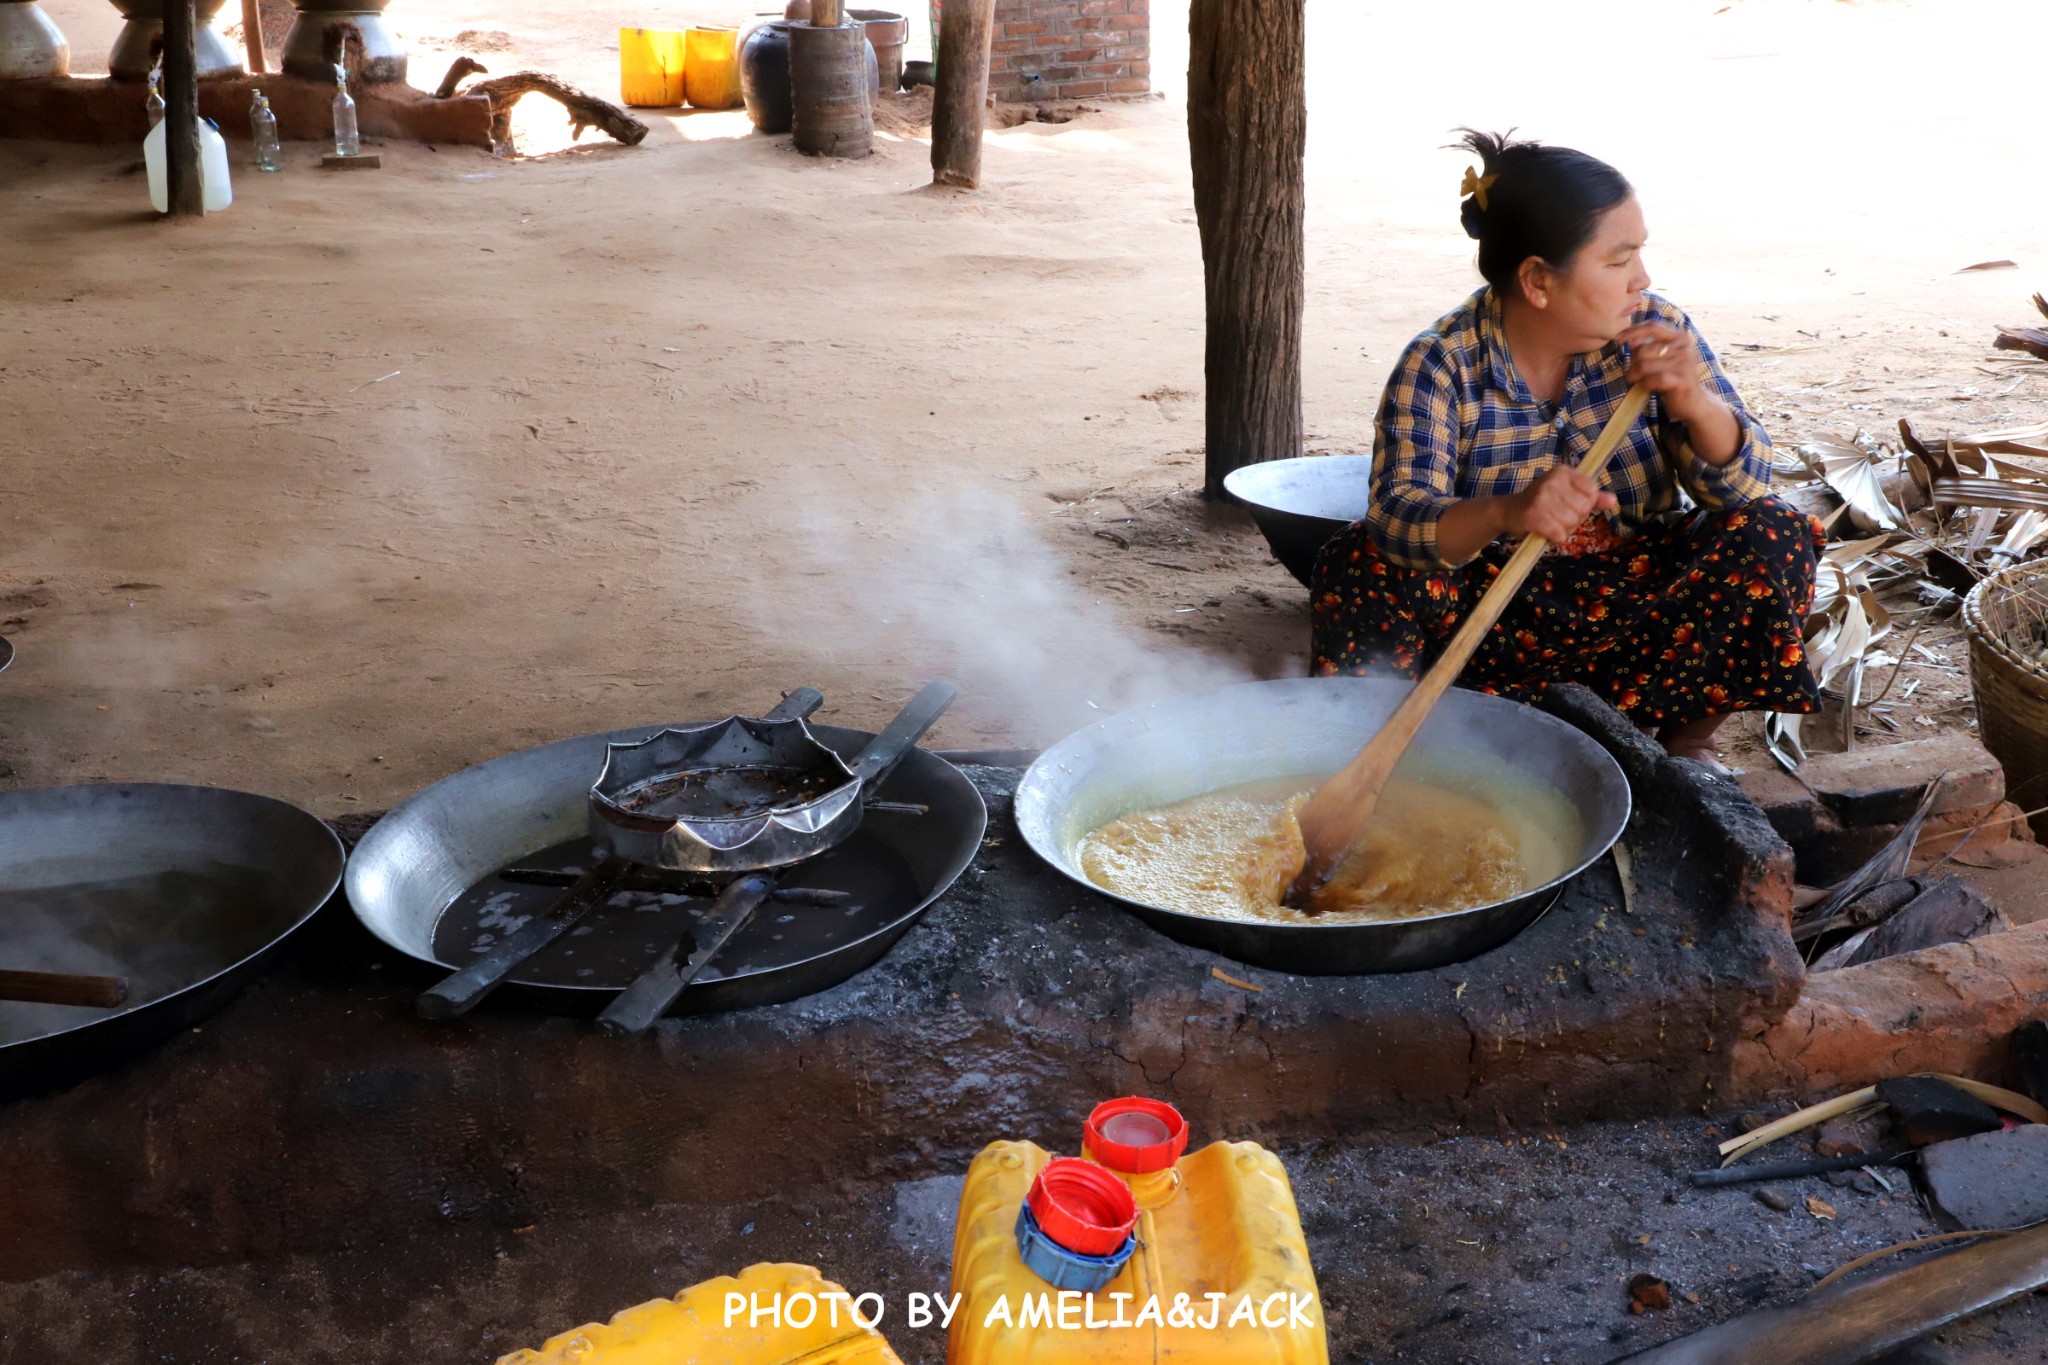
(96, 109)
(2030, 1049)
(1247, 130)
(1791, 1170)
(585, 111)
(1950, 911)
(181, 111)
(1927, 1110)
(64, 988)
(462, 990)
(961, 91)
(1873, 907)
(1863, 1319)
(2032, 340)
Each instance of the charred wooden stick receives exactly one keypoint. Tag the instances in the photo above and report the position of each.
(457, 69)
(64, 988)
(585, 111)
(1792, 1170)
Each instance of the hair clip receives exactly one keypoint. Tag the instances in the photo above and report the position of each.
(1476, 185)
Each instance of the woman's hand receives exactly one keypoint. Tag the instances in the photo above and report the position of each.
(1663, 357)
(1554, 505)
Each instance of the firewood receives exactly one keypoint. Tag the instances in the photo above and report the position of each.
(585, 111)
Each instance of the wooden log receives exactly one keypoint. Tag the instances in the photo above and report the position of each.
(965, 31)
(252, 36)
(181, 110)
(95, 109)
(1247, 130)
(584, 110)
(1950, 911)
(1857, 1322)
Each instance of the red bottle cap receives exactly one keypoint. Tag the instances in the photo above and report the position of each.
(1136, 1136)
(1082, 1207)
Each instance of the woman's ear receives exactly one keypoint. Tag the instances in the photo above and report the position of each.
(1536, 279)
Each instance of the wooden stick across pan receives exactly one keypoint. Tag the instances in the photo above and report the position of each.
(1335, 815)
(64, 988)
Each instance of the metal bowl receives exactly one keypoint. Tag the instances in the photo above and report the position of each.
(1185, 746)
(1300, 503)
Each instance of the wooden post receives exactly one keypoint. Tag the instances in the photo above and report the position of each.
(966, 28)
(181, 110)
(1247, 128)
(827, 14)
(252, 35)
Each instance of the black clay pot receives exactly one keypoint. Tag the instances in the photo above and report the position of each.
(764, 77)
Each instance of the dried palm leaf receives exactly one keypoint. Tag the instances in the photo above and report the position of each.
(1854, 473)
(1993, 492)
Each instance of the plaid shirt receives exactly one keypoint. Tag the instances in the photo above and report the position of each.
(1457, 422)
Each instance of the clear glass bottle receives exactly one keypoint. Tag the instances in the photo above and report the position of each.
(347, 142)
(263, 128)
(155, 103)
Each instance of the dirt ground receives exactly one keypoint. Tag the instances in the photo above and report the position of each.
(1470, 1251)
(367, 480)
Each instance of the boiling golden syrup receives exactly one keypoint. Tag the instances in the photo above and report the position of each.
(1428, 849)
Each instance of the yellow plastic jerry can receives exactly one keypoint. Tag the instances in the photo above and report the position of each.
(651, 67)
(1221, 1272)
(766, 1315)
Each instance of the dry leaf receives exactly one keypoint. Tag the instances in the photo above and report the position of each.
(1990, 265)
(1853, 473)
(1227, 979)
(1819, 1208)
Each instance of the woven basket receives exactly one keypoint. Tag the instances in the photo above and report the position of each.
(2010, 687)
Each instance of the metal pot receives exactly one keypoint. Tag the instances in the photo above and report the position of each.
(1185, 746)
(131, 57)
(1300, 503)
(30, 44)
(307, 52)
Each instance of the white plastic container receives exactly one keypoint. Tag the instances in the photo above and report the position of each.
(215, 191)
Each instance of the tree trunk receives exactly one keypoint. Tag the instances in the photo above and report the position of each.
(965, 30)
(1247, 127)
(181, 111)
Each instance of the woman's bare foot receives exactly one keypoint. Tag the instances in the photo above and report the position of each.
(1695, 740)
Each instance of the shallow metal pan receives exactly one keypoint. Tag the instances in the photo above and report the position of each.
(427, 854)
(1185, 746)
(186, 891)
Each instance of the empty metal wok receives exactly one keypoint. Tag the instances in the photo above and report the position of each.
(1299, 503)
(1186, 746)
(185, 891)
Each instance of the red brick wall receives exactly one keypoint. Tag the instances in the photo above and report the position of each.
(1070, 49)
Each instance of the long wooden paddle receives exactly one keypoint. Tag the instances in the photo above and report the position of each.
(1334, 816)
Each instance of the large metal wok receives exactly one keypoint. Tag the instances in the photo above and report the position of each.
(1185, 746)
(434, 852)
(185, 891)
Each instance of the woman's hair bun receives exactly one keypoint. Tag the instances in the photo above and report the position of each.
(1473, 217)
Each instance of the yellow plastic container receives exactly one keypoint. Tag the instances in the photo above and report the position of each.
(1221, 1273)
(712, 68)
(651, 67)
(706, 1325)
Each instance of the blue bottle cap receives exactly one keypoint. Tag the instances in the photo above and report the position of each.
(1064, 1269)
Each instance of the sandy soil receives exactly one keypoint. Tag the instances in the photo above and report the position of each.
(374, 477)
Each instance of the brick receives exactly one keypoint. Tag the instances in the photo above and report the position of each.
(1005, 46)
(1127, 22)
(1078, 90)
(1045, 42)
(1058, 74)
(1022, 30)
(1871, 786)
(1105, 69)
(1079, 56)
(1993, 1180)
(1129, 85)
